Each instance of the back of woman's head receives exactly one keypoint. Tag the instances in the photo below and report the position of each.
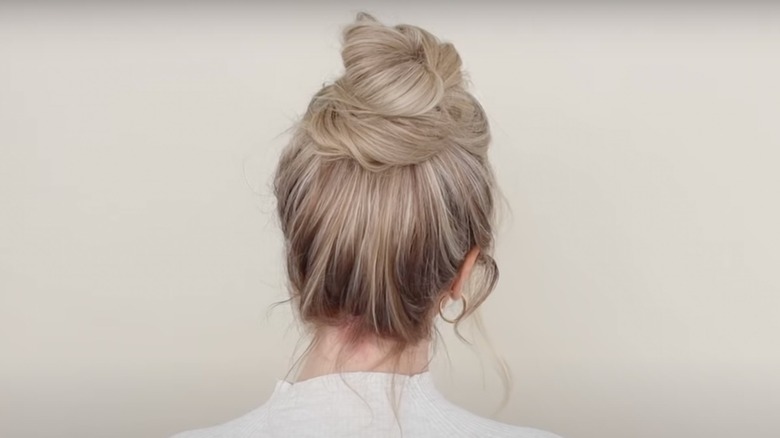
(385, 187)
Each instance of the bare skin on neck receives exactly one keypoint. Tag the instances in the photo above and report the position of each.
(330, 354)
(369, 355)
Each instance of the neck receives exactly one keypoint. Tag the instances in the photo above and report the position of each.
(331, 353)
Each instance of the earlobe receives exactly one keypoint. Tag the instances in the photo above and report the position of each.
(463, 273)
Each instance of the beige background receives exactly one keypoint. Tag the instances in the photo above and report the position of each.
(637, 147)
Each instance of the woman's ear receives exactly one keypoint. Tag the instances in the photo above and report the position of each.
(463, 273)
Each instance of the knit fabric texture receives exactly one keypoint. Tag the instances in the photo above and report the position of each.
(362, 404)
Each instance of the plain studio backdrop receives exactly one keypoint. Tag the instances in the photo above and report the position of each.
(139, 253)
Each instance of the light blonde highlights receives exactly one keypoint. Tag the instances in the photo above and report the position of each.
(384, 188)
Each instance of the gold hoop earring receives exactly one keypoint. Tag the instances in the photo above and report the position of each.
(462, 311)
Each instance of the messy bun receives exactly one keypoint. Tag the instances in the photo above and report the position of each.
(400, 101)
(385, 187)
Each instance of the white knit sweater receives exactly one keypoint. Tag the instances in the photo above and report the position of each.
(360, 404)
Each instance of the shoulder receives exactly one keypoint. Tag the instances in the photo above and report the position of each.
(462, 422)
(480, 426)
(485, 427)
(245, 426)
(528, 432)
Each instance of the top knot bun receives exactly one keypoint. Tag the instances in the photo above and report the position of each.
(401, 70)
(400, 101)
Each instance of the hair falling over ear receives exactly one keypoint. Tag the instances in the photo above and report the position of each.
(385, 186)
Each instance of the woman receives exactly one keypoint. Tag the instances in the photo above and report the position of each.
(386, 202)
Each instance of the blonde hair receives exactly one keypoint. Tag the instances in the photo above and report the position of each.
(385, 186)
